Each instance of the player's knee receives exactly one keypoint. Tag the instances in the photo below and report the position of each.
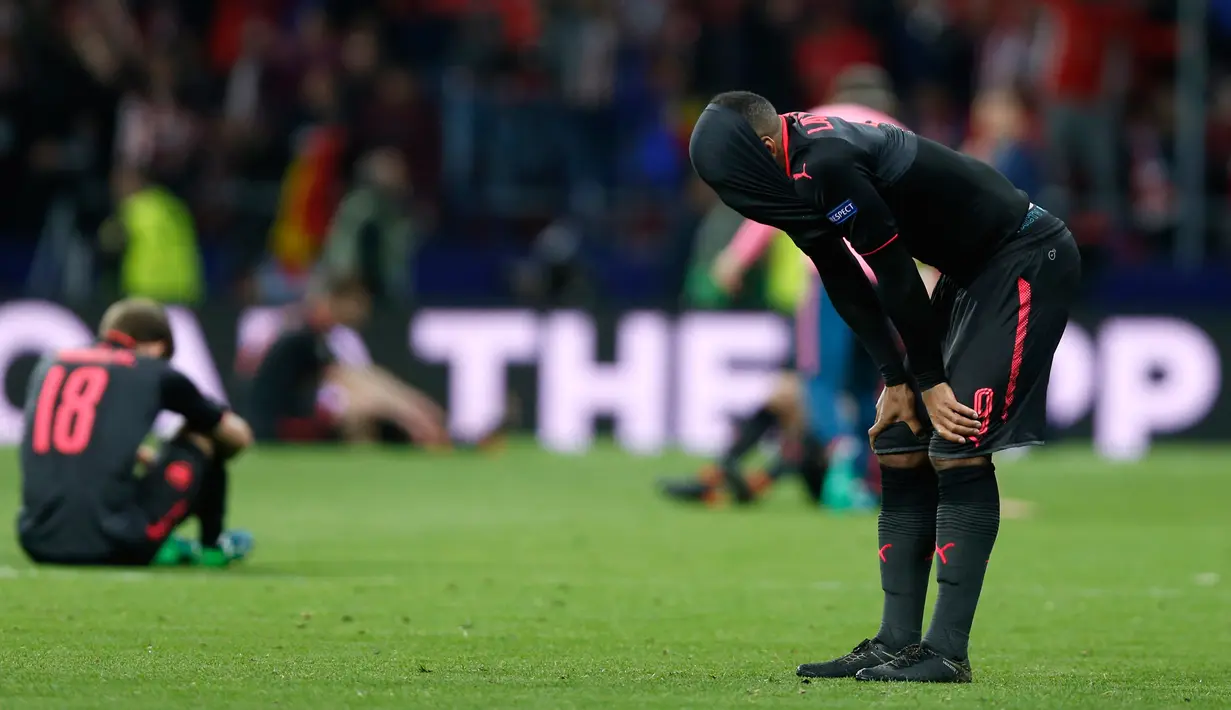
(968, 481)
(912, 459)
(944, 464)
(900, 447)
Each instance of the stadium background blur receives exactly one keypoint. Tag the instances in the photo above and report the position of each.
(512, 177)
(533, 155)
(513, 115)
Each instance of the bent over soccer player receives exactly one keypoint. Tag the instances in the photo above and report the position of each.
(980, 352)
(87, 412)
(825, 360)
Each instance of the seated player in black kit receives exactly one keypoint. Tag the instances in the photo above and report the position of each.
(283, 398)
(87, 412)
(980, 353)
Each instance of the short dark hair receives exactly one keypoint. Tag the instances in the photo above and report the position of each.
(756, 110)
(143, 320)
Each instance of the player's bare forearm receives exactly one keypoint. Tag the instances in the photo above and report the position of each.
(403, 391)
(375, 393)
(419, 414)
(363, 390)
(358, 382)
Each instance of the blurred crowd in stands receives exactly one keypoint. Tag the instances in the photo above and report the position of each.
(531, 149)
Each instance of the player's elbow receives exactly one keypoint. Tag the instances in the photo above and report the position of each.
(233, 434)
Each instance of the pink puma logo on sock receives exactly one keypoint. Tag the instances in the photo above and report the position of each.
(940, 552)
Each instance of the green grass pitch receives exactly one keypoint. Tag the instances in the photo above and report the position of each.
(395, 580)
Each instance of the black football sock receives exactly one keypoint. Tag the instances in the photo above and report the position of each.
(749, 433)
(780, 467)
(967, 521)
(906, 538)
(211, 503)
(813, 466)
(759, 482)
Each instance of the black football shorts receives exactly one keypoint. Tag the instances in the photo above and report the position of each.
(109, 532)
(999, 336)
(165, 496)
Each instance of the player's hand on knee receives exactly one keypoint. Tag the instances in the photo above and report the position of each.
(896, 404)
(952, 420)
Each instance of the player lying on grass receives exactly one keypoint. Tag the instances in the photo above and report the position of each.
(290, 373)
(980, 352)
(817, 430)
(87, 412)
(372, 404)
(797, 452)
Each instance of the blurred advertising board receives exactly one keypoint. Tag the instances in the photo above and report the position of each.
(657, 380)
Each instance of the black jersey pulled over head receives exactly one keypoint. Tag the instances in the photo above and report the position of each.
(729, 156)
